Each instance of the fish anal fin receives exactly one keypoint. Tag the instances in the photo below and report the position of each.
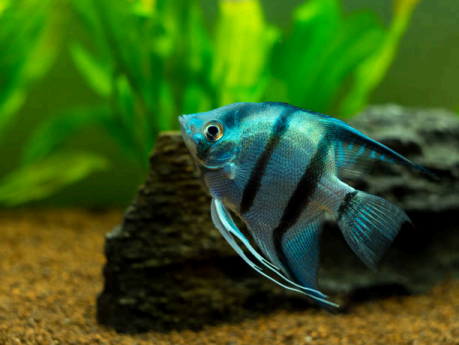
(301, 250)
(300, 245)
(225, 224)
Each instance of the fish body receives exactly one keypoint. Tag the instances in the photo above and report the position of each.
(281, 169)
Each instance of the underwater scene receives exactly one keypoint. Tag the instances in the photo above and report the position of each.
(229, 172)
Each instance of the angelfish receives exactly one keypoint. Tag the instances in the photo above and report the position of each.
(281, 169)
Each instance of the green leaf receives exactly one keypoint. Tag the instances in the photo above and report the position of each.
(196, 100)
(357, 38)
(242, 48)
(128, 46)
(9, 106)
(133, 121)
(371, 71)
(125, 139)
(125, 99)
(3, 5)
(298, 56)
(41, 179)
(30, 37)
(144, 8)
(49, 42)
(188, 59)
(90, 21)
(166, 107)
(197, 45)
(98, 74)
(52, 134)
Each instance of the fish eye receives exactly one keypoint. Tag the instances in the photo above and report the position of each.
(213, 131)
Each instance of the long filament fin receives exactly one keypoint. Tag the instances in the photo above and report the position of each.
(224, 223)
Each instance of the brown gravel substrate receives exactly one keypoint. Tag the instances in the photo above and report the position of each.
(50, 274)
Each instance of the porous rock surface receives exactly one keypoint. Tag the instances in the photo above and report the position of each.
(169, 268)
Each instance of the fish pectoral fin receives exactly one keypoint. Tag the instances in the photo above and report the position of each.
(224, 223)
(230, 171)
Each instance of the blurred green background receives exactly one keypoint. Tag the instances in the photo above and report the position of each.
(90, 103)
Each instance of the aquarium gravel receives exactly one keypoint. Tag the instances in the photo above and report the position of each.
(51, 272)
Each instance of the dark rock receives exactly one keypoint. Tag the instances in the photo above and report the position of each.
(169, 268)
(423, 254)
(427, 137)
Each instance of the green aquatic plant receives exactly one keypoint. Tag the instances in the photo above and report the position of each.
(27, 46)
(146, 62)
(154, 60)
(151, 60)
(43, 178)
(373, 69)
(324, 48)
(29, 41)
(242, 49)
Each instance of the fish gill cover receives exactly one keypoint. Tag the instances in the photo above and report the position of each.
(149, 60)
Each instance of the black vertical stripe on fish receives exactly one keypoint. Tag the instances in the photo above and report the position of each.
(300, 197)
(254, 183)
(344, 204)
(295, 108)
(202, 150)
(232, 116)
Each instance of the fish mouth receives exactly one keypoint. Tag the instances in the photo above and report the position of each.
(187, 134)
(183, 122)
(184, 126)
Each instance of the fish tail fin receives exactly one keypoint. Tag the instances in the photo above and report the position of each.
(369, 225)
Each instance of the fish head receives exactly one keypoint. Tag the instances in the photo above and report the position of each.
(212, 137)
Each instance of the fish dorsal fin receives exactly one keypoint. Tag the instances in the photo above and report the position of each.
(355, 153)
(224, 223)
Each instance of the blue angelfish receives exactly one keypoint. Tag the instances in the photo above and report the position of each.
(281, 169)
